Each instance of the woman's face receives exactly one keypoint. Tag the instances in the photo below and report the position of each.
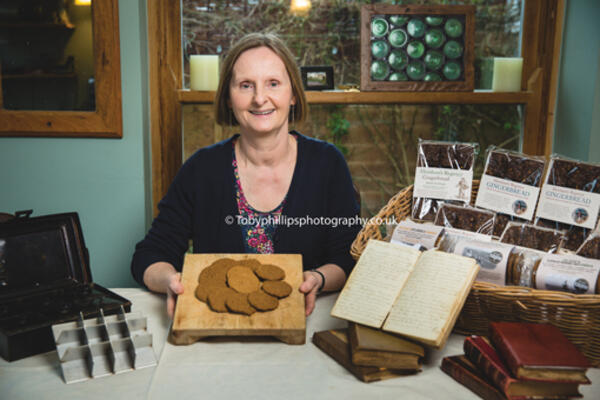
(260, 92)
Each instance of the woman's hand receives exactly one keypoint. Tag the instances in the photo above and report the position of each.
(162, 277)
(333, 278)
(310, 286)
(174, 289)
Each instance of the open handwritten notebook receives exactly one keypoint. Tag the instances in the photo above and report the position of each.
(405, 291)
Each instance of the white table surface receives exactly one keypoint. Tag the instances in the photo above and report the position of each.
(227, 368)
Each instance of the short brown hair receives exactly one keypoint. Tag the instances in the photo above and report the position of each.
(223, 113)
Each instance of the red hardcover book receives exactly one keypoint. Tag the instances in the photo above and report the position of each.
(466, 373)
(538, 351)
(485, 357)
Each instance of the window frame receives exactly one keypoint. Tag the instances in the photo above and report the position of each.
(540, 47)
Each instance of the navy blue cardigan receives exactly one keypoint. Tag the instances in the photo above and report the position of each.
(202, 197)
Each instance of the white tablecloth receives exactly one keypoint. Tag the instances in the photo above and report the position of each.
(226, 368)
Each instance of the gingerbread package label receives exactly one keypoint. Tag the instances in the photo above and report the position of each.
(462, 234)
(443, 183)
(409, 232)
(570, 206)
(508, 197)
(568, 273)
(491, 257)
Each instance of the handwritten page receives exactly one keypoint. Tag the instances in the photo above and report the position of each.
(373, 285)
(428, 306)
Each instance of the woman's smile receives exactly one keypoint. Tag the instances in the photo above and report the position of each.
(266, 112)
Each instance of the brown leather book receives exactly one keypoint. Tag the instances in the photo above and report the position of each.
(375, 348)
(480, 352)
(335, 344)
(538, 351)
(466, 373)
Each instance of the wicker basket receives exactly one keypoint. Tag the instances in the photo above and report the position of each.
(577, 316)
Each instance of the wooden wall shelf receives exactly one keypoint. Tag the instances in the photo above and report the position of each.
(187, 96)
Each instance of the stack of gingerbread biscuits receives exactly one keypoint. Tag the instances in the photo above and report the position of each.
(242, 287)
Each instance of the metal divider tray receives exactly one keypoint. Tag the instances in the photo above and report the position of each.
(103, 346)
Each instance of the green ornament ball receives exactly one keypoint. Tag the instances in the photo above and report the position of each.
(453, 28)
(379, 70)
(416, 28)
(452, 70)
(415, 70)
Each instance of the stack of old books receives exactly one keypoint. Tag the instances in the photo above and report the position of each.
(520, 361)
(413, 296)
(371, 354)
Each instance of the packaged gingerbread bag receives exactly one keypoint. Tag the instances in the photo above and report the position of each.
(570, 199)
(510, 186)
(533, 237)
(590, 247)
(466, 218)
(444, 174)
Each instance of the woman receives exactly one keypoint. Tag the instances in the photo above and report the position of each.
(263, 172)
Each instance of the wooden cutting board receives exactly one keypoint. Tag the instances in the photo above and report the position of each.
(194, 320)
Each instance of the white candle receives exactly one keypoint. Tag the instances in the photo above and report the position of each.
(204, 72)
(507, 74)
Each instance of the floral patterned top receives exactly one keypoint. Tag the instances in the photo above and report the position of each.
(258, 232)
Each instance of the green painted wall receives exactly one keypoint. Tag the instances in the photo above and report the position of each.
(104, 180)
(577, 129)
(594, 154)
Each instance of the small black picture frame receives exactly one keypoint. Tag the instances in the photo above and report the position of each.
(317, 77)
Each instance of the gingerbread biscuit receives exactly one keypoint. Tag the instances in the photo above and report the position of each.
(205, 286)
(242, 279)
(221, 263)
(202, 292)
(210, 278)
(238, 303)
(203, 274)
(250, 263)
(217, 298)
(268, 272)
(262, 301)
(279, 289)
(219, 271)
(213, 276)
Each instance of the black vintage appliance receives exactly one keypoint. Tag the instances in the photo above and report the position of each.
(45, 279)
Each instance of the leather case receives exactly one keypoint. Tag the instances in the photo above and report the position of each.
(45, 279)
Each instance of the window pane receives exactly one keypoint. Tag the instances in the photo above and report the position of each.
(330, 33)
(380, 142)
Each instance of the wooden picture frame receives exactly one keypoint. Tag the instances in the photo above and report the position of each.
(324, 75)
(106, 121)
(393, 40)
